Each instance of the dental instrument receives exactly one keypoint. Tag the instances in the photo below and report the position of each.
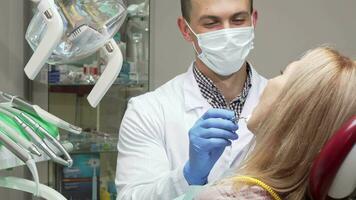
(37, 139)
(52, 139)
(16, 137)
(68, 146)
(65, 31)
(42, 145)
(237, 119)
(38, 111)
(22, 155)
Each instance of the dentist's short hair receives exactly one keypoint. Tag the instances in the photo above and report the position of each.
(186, 8)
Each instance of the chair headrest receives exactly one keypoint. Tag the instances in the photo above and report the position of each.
(345, 180)
(331, 159)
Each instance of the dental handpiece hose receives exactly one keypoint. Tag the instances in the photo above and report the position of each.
(32, 132)
(38, 111)
(37, 128)
(52, 139)
(15, 136)
(23, 155)
(14, 147)
(43, 146)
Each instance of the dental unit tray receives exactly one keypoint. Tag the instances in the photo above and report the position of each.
(63, 31)
(8, 160)
(38, 112)
(43, 135)
(27, 128)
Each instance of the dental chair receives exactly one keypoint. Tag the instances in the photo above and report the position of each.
(333, 174)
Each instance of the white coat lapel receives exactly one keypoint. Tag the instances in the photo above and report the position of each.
(193, 98)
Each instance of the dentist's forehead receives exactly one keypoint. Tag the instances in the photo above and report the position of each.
(218, 7)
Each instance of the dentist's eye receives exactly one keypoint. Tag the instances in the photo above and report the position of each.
(210, 24)
(238, 21)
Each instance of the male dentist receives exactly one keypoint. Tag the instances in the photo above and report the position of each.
(185, 133)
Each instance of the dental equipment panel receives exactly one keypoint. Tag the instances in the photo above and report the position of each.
(18, 129)
(38, 111)
(33, 133)
(24, 123)
(64, 31)
(37, 140)
(53, 140)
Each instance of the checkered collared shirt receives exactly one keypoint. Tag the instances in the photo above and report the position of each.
(215, 98)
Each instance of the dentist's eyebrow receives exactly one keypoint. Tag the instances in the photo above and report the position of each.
(211, 17)
(241, 14)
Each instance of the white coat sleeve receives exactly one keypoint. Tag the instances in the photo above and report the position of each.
(143, 170)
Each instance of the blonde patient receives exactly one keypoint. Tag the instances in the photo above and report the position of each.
(298, 112)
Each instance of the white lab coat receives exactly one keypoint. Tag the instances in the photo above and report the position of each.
(153, 140)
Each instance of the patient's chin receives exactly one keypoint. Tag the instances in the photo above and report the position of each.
(251, 125)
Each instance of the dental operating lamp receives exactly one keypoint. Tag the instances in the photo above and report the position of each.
(63, 31)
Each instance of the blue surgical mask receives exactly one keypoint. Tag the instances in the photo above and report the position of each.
(225, 51)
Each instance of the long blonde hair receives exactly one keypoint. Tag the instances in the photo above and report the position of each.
(312, 106)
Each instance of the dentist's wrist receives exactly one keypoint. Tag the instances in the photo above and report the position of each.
(192, 177)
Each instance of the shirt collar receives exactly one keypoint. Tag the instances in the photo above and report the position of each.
(213, 95)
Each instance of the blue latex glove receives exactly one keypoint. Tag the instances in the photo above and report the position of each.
(207, 141)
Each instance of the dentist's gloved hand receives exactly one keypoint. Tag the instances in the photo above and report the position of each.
(208, 138)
